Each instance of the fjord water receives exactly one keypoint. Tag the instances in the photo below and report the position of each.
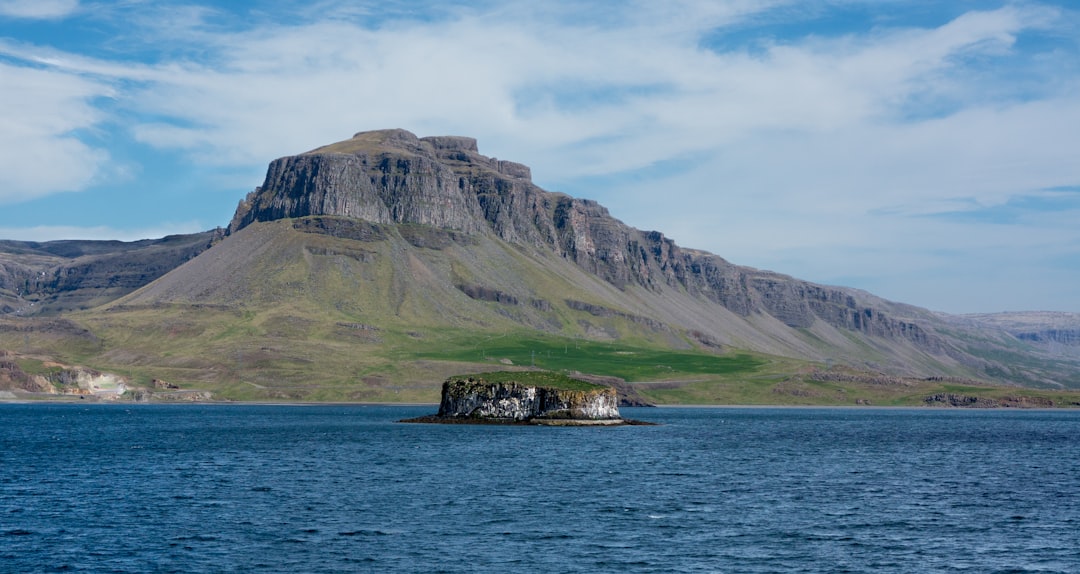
(113, 488)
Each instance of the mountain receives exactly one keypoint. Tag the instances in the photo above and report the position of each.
(57, 276)
(379, 265)
(1055, 332)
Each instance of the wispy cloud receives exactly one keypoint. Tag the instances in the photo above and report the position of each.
(100, 232)
(502, 77)
(536, 86)
(38, 9)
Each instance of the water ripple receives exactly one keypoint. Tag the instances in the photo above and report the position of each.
(328, 489)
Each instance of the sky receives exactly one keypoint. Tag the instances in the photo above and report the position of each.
(925, 151)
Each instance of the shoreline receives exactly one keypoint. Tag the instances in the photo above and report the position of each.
(76, 401)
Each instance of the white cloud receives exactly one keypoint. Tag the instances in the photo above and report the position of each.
(40, 153)
(38, 9)
(283, 89)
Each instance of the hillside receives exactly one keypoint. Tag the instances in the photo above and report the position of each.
(373, 268)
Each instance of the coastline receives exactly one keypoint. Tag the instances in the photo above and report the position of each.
(74, 400)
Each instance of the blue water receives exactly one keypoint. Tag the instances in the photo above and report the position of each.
(112, 488)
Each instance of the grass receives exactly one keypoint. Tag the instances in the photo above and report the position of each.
(306, 317)
(32, 366)
(535, 379)
(629, 362)
(293, 353)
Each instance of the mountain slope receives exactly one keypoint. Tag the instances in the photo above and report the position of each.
(399, 232)
(372, 268)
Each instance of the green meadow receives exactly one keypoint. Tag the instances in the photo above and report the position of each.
(629, 362)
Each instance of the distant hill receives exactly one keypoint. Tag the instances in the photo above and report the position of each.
(1052, 333)
(57, 276)
(372, 268)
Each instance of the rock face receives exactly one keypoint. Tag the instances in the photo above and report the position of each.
(14, 378)
(60, 380)
(473, 398)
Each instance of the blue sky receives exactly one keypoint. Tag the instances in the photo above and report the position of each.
(925, 151)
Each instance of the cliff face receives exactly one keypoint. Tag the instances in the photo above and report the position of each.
(385, 177)
(479, 399)
(392, 176)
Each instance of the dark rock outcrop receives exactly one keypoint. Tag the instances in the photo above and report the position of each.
(487, 294)
(976, 402)
(958, 400)
(883, 380)
(473, 399)
(476, 398)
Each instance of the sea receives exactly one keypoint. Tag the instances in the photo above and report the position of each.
(256, 488)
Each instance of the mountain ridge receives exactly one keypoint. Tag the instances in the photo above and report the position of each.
(55, 276)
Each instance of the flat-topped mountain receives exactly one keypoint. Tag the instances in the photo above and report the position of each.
(393, 177)
(379, 264)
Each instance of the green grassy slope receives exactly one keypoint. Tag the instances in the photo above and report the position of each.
(333, 310)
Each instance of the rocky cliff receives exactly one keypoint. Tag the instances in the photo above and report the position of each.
(478, 398)
(58, 379)
(392, 176)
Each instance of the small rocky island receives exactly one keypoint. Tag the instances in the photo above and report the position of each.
(526, 397)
